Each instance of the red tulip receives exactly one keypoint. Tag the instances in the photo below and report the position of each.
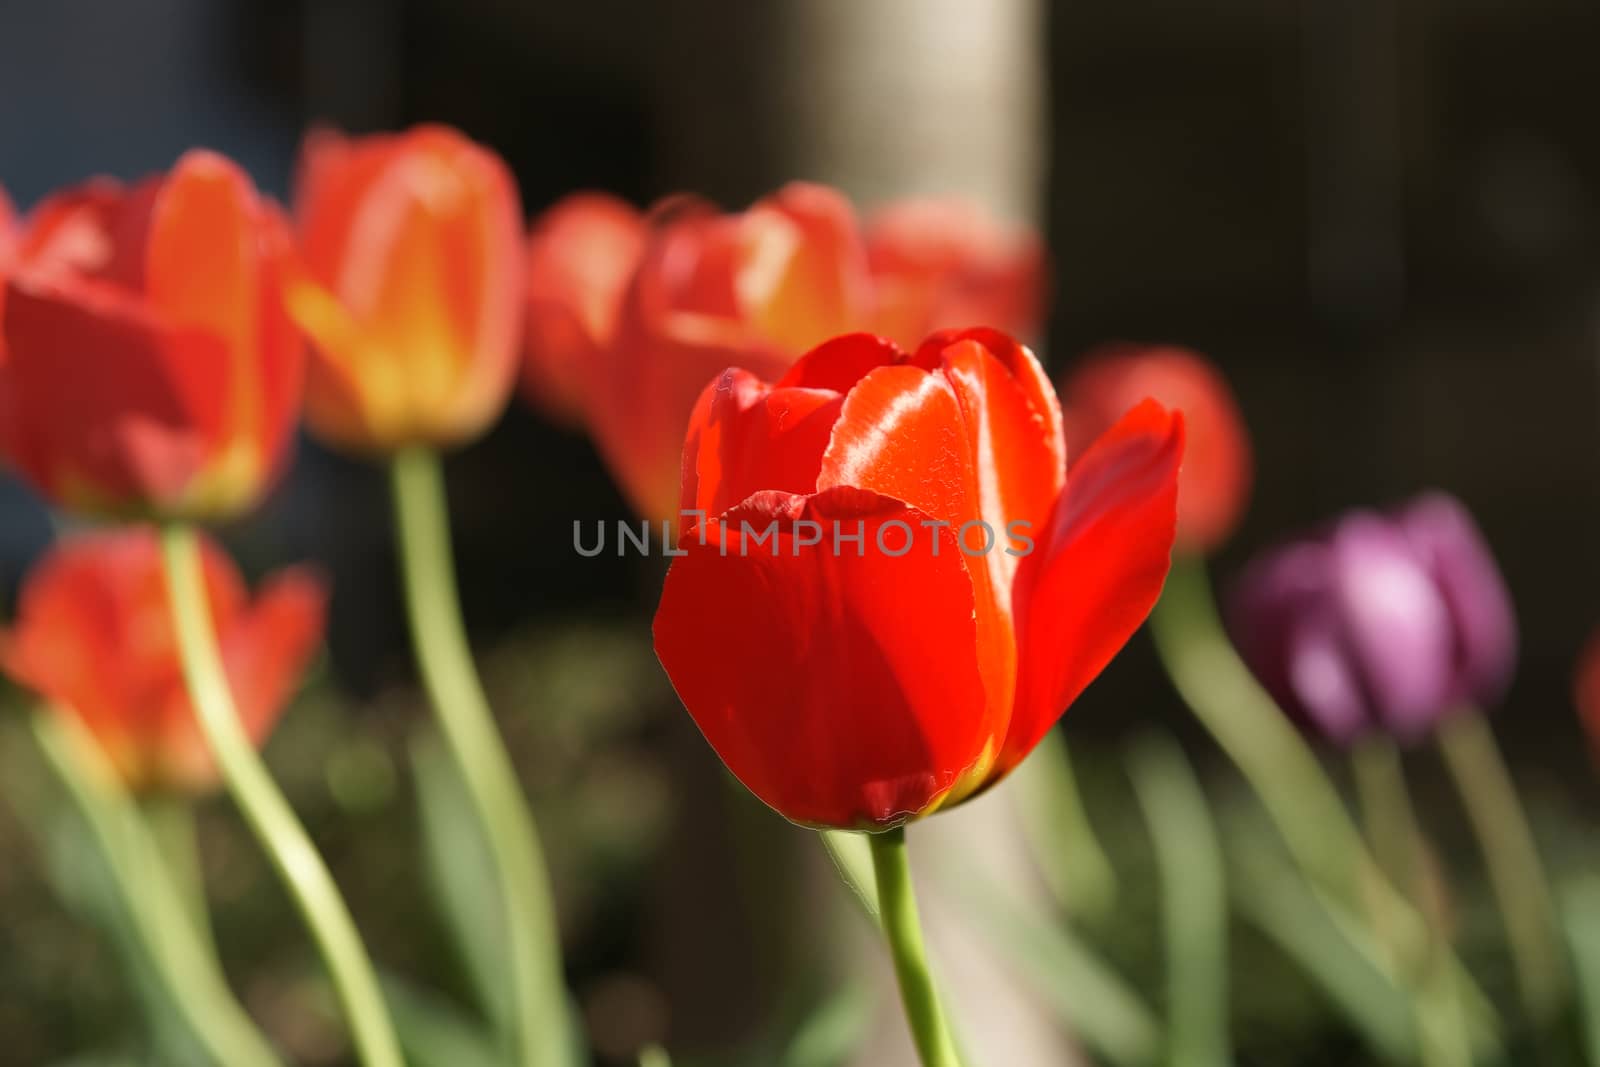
(581, 258)
(8, 237)
(411, 291)
(94, 638)
(1217, 469)
(943, 263)
(861, 683)
(150, 366)
(1587, 690)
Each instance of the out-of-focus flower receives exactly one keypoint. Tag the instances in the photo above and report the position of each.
(631, 315)
(150, 366)
(8, 237)
(411, 287)
(1217, 467)
(898, 589)
(1586, 690)
(94, 637)
(1383, 623)
(581, 258)
(942, 263)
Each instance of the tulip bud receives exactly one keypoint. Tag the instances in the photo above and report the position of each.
(1214, 486)
(94, 637)
(410, 288)
(1383, 623)
(150, 367)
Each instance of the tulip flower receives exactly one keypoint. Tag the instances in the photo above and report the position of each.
(1383, 623)
(93, 637)
(942, 263)
(581, 259)
(150, 367)
(1215, 484)
(897, 589)
(630, 315)
(1586, 689)
(410, 288)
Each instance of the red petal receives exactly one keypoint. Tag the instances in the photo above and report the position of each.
(1097, 571)
(581, 256)
(267, 649)
(840, 363)
(746, 436)
(802, 274)
(841, 689)
(106, 403)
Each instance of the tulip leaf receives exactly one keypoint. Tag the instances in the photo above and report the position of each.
(1281, 904)
(436, 1033)
(461, 877)
(1580, 912)
(1092, 1000)
(833, 1030)
(852, 857)
(1194, 901)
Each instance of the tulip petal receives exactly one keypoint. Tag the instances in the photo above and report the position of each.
(745, 436)
(1097, 571)
(840, 363)
(267, 649)
(106, 403)
(581, 256)
(841, 689)
(802, 271)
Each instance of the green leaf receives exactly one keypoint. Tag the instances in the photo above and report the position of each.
(852, 857)
(462, 878)
(1280, 903)
(1580, 913)
(831, 1033)
(1091, 999)
(436, 1033)
(1194, 902)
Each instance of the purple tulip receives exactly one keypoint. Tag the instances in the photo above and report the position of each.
(1380, 623)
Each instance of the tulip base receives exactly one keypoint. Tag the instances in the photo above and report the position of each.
(903, 929)
(267, 810)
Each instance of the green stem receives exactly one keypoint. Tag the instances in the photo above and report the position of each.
(192, 979)
(170, 818)
(1299, 798)
(267, 811)
(903, 929)
(1397, 835)
(1060, 835)
(440, 641)
(1512, 859)
(1193, 902)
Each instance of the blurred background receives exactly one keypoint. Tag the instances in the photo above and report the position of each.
(1381, 218)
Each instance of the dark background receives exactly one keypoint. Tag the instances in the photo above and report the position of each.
(1381, 219)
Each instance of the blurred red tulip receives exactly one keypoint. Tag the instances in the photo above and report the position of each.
(94, 637)
(1217, 466)
(630, 315)
(8, 237)
(941, 263)
(411, 289)
(150, 365)
(855, 644)
(1587, 690)
(581, 258)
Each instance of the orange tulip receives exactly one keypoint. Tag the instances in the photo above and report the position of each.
(941, 263)
(94, 638)
(1214, 486)
(150, 367)
(411, 288)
